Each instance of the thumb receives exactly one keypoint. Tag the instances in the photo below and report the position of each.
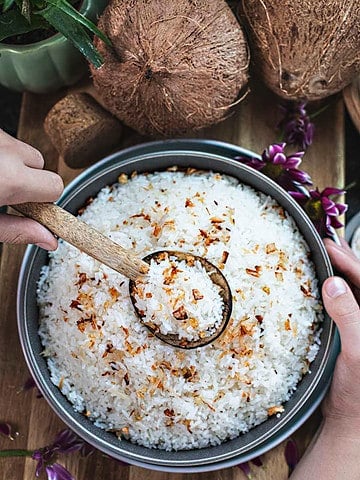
(342, 307)
(19, 230)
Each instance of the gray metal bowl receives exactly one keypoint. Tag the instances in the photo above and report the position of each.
(206, 155)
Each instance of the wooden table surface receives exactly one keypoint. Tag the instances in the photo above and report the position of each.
(253, 126)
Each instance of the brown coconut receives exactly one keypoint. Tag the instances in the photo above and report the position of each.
(304, 49)
(174, 66)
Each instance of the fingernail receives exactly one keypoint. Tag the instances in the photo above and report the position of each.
(335, 287)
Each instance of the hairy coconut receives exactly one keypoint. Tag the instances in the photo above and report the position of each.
(174, 65)
(304, 49)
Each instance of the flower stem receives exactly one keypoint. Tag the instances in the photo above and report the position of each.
(16, 453)
(320, 111)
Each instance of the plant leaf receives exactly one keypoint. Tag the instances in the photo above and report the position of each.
(13, 23)
(7, 4)
(73, 31)
(73, 13)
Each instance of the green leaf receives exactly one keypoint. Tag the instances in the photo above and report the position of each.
(73, 31)
(8, 4)
(13, 23)
(73, 13)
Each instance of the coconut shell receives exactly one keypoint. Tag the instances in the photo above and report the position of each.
(304, 49)
(174, 66)
(81, 130)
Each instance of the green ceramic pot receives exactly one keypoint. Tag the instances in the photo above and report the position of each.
(47, 65)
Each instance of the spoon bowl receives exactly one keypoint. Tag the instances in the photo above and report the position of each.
(216, 277)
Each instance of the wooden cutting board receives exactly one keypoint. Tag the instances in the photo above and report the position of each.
(253, 126)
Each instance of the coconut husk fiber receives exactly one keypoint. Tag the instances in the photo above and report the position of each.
(174, 66)
(304, 49)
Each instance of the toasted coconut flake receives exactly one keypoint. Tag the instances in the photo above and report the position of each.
(275, 409)
(180, 313)
(123, 178)
(270, 248)
(197, 294)
(279, 276)
(254, 272)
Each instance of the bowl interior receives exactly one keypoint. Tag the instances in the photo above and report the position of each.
(204, 155)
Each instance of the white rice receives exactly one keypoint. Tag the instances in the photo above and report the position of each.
(126, 380)
(179, 298)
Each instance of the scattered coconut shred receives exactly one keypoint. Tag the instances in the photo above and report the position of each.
(179, 298)
(108, 364)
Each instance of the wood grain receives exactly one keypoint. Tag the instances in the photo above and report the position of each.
(253, 126)
(351, 96)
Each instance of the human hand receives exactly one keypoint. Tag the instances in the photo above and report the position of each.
(23, 180)
(341, 408)
(334, 451)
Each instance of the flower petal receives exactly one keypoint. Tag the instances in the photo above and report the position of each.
(315, 194)
(335, 223)
(245, 467)
(299, 196)
(342, 207)
(296, 125)
(58, 472)
(29, 385)
(279, 158)
(292, 162)
(67, 441)
(6, 429)
(332, 191)
(251, 162)
(257, 461)
(329, 206)
(300, 176)
(40, 463)
(291, 454)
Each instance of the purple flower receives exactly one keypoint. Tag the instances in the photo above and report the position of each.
(296, 125)
(291, 454)
(29, 385)
(245, 466)
(65, 442)
(257, 461)
(6, 429)
(57, 472)
(280, 167)
(322, 210)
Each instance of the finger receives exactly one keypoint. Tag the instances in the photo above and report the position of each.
(29, 155)
(37, 186)
(342, 307)
(345, 261)
(346, 246)
(21, 230)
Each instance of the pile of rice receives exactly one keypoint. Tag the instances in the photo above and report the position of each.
(178, 297)
(126, 380)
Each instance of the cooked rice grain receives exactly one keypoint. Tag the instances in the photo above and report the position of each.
(109, 365)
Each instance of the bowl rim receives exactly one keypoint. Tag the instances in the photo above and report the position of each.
(211, 149)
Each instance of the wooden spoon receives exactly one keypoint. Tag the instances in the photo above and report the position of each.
(98, 246)
(85, 238)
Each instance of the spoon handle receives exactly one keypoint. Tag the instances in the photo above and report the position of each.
(85, 238)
